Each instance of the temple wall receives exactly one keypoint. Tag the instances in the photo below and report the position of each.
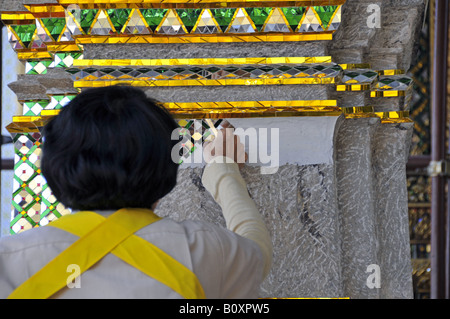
(337, 202)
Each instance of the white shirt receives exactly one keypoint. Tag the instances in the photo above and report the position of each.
(229, 263)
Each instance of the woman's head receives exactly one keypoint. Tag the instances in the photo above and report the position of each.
(110, 148)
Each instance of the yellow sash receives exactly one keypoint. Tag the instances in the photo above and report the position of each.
(100, 236)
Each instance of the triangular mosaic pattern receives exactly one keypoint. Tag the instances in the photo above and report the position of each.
(206, 24)
(336, 20)
(54, 26)
(118, 18)
(189, 17)
(325, 13)
(135, 24)
(86, 18)
(241, 23)
(73, 27)
(359, 76)
(83, 25)
(223, 17)
(22, 35)
(258, 16)
(14, 40)
(102, 24)
(171, 24)
(311, 22)
(153, 17)
(41, 36)
(276, 22)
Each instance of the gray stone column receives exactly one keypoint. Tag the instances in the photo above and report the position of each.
(356, 204)
(390, 154)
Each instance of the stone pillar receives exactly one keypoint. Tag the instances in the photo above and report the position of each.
(358, 222)
(390, 154)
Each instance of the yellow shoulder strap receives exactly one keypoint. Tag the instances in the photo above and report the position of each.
(114, 234)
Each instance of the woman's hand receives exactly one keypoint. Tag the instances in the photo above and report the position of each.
(225, 144)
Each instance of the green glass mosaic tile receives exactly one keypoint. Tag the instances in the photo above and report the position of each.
(55, 26)
(25, 32)
(325, 13)
(34, 108)
(258, 16)
(87, 17)
(118, 17)
(223, 17)
(189, 17)
(153, 17)
(294, 15)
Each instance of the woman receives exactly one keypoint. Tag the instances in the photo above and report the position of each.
(107, 156)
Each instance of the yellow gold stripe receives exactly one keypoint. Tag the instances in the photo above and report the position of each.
(205, 38)
(218, 82)
(391, 72)
(48, 8)
(34, 55)
(25, 124)
(252, 104)
(205, 61)
(26, 119)
(357, 109)
(17, 16)
(387, 93)
(239, 105)
(239, 109)
(349, 66)
(64, 47)
(394, 117)
(358, 112)
(215, 114)
(352, 87)
(49, 112)
(16, 128)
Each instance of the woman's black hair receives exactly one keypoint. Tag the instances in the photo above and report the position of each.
(110, 148)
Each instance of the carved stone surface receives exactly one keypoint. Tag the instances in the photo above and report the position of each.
(29, 87)
(391, 46)
(238, 93)
(15, 5)
(390, 154)
(299, 206)
(298, 203)
(204, 50)
(356, 204)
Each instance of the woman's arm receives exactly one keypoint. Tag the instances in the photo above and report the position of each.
(223, 180)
